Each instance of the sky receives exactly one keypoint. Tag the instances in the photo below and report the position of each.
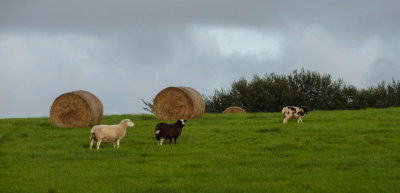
(126, 50)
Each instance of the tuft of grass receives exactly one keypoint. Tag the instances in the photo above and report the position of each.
(52, 189)
(332, 151)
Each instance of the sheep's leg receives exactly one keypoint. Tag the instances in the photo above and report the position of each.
(118, 143)
(300, 120)
(170, 141)
(284, 121)
(161, 141)
(175, 140)
(98, 144)
(91, 143)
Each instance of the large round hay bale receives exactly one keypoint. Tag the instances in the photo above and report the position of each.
(76, 109)
(175, 103)
(234, 109)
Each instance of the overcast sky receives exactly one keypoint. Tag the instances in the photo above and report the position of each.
(126, 50)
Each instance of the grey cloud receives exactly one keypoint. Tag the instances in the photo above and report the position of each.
(355, 17)
(383, 69)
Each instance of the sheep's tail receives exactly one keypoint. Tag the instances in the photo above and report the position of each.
(92, 137)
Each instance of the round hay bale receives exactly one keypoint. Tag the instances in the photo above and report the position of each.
(76, 109)
(175, 103)
(234, 109)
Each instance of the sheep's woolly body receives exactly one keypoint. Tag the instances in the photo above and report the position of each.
(109, 133)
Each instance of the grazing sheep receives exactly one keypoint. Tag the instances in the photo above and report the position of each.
(169, 131)
(109, 133)
(291, 112)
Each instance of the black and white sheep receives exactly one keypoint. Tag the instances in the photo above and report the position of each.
(291, 112)
(109, 133)
(165, 131)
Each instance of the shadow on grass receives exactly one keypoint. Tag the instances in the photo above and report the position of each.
(268, 130)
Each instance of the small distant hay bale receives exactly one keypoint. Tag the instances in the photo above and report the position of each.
(234, 109)
(76, 109)
(175, 103)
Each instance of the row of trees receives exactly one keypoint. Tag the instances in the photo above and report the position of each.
(319, 92)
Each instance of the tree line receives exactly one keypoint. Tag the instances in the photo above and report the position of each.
(272, 92)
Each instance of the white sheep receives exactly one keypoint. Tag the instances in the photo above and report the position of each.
(109, 133)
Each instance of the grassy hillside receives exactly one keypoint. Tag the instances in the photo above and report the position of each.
(332, 151)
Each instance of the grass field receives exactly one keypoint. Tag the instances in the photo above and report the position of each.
(332, 151)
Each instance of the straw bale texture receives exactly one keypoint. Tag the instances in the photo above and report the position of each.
(76, 109)
(175, 103)
(234, 109)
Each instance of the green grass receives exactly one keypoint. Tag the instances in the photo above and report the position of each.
(332, 151)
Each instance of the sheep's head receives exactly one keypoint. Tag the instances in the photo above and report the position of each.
(181, 122)
(305, 109)
(128, 122)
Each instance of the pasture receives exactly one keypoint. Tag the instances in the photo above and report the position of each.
(332, 151)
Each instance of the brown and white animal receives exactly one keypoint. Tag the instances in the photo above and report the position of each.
(168, 131)
(109, 133)
(291, 112)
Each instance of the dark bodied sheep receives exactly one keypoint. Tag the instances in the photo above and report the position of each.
(165, 131)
